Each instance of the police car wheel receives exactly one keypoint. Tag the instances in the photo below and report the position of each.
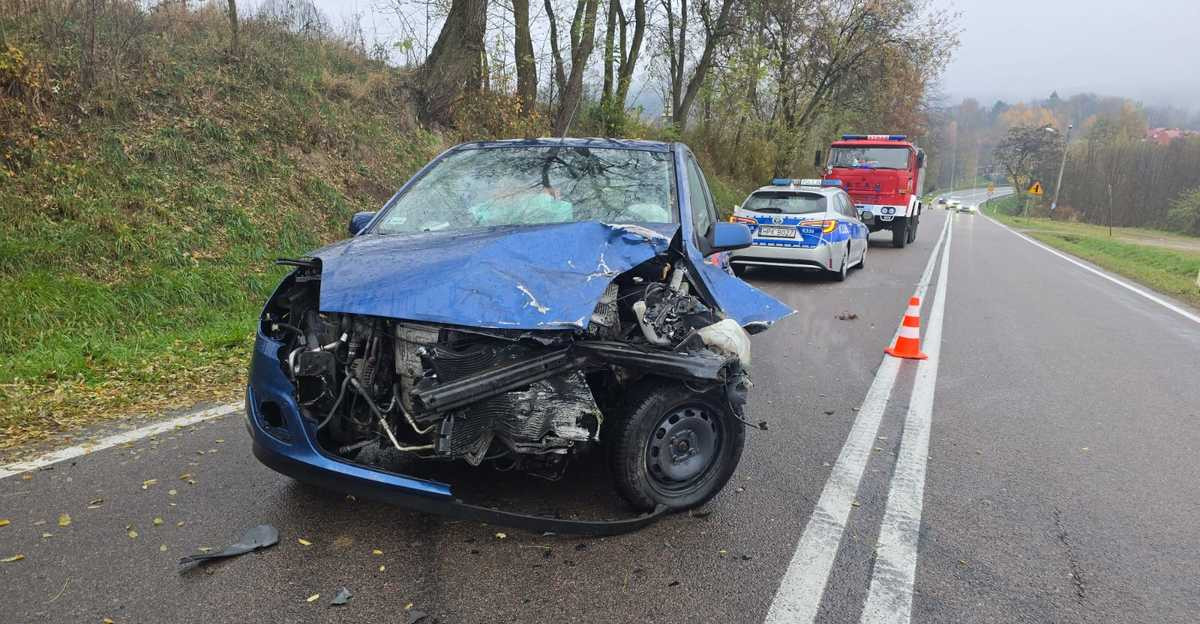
(674, 447)
(840, 274)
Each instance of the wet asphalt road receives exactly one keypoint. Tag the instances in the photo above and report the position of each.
(1062, 484)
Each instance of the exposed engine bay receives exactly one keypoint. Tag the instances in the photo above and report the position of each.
(526, 400)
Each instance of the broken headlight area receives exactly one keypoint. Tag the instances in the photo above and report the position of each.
(658, 379)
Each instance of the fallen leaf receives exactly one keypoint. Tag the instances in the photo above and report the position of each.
(382, 568)
(172, 492)
(722, 552)
(376, 552)
(158, 521)
(312, 598)
(408, 606)
(64, 520)
(204, 549)
(185, 476)
(4, 522)
(501, 536)
(46, 535)
(12, 559)
(107, 621)
(162, 548)
(220, 441)
(148, 482)
(26, 476)
(856, 504)
(304, 542)
(133, 534)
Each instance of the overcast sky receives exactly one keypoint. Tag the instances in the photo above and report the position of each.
(1015, 50)
(1020, 49)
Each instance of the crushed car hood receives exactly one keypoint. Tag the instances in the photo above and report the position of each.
(528, 277)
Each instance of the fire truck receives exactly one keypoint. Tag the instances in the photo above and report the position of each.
(884, 175)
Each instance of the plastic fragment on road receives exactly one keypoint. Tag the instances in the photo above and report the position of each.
(261, 536)
(342, 596)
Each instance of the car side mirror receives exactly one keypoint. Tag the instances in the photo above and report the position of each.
(730, 236)
(360, 221)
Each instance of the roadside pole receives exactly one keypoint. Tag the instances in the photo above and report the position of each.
(1061, 167)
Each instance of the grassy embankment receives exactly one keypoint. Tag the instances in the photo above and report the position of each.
(139, 219)
(1163, 261)
(138, 227)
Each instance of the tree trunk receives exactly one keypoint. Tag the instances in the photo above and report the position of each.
(87, 60)
(526, 66)
(610, 33)
(583, 41)
(455, 65)
(711, 43)
(629, 59)
(560, 74)
(234, 47)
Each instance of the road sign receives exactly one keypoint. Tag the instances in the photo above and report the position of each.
(1035, 189)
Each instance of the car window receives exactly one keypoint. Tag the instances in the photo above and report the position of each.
(704, 213)
(506, 186)
(787, 202)
(848, 207)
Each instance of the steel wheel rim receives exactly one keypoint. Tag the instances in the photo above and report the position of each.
(683, 448)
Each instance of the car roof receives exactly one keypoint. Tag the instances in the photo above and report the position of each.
(819, 190)
(594, 142)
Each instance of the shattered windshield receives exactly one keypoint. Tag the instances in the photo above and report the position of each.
(869, 157)
(536, 185)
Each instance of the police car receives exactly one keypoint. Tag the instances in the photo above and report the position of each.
(809, 224)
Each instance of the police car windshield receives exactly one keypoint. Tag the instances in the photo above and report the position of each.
(869, 157)
(784, 202)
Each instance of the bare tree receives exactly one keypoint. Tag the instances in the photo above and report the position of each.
(234, 46)
(623, 53)
(583, 41)
(87, 61)
(455, 64)
(526, 64)
(685, 88)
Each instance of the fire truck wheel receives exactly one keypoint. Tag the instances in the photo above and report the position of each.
(899, 232)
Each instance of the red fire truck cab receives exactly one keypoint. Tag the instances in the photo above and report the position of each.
(884, 175)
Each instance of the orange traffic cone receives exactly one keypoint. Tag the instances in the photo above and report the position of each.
(908, 341)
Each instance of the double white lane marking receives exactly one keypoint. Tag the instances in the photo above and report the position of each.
(799, 595)
(891, 593)
(120, 438)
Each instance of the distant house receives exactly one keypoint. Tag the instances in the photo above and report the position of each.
(1163, 136)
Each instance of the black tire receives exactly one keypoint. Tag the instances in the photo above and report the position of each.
(840, 275)
(915, 222)
(663, 417)
(899, 233)
(862, 262)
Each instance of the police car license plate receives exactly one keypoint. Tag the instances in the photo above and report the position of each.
(777, 232)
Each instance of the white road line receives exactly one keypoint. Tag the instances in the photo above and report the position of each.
(119, 438)
(889, 600)
(1123, 284)
(799, 595)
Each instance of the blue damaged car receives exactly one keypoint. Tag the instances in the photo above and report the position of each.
(514, 304)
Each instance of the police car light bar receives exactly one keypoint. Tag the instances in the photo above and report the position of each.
(874, 137)
(804, 182)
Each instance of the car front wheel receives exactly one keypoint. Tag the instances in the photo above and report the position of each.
(675, 447)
